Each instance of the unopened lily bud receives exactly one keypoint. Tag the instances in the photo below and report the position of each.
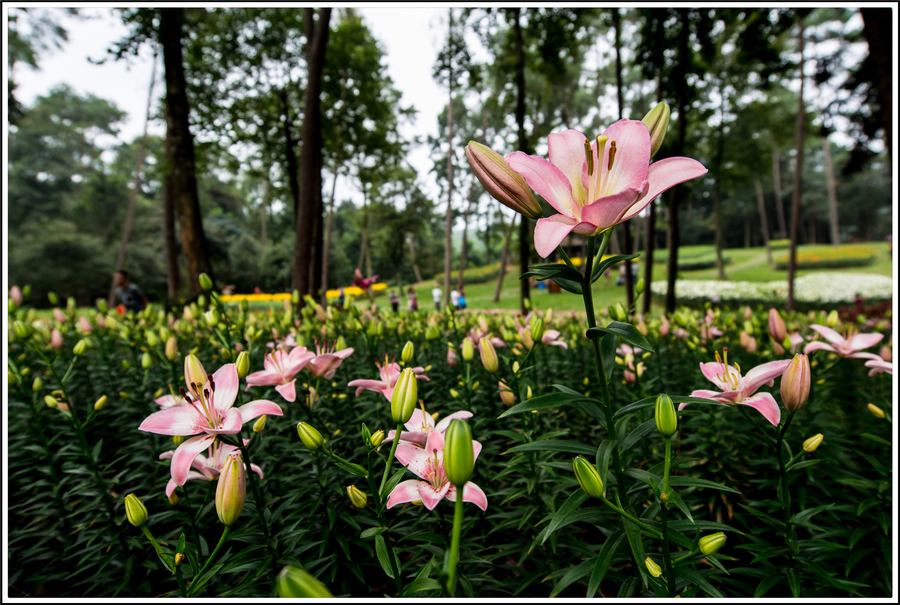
(537, 329)
(639, 287)
(36, 386)
(657, 122)
(776, 326)
(260, 424)
(231, 491)
(503, 183)
(56, 339)
(53, 298)
(71, 303)
(126, 365)
(666, 418)
(528, 392)
(146, 360)
(515, 367)
(876, 411)
(295, 583)
(177, 440)
(135, 511)
(171, 348)
(295, 297)
(152, 340)
(310, 437)
(194, 374)
(795, 383)
(21, 330)
(11, 376)
(340, 344)
(100, 403)
(205, 282)
(211, 317)
(654, 569)
(711, 543)
(52, 402)
(408, 352)
(506, 394)
(173, 499)
(454, 393)
(588, 477)
(489, 356)
(786, 344)
(467, 349)
(621, 315)
(80, 347)
(179, 557)
(459, 456)
(812, 443)
(404, 397)
(358, 498)
(432, 333)
(376, 438)
(832, 319)
(242, 365)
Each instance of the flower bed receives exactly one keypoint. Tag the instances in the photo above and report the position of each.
(831, 257)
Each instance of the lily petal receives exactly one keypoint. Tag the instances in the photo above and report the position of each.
(184, 456)
(829, 334)
(664, 175)
(567, 154)
(766, 405)
(864, 341)
(762, 374)
(607, 211)
(406, 491)
(474, 494)
(229, 426)
(630, 164)
(445, 422)
(226, 379)
(430, 496)
(257, 408)
(818, 346)
(547, 180)
(288, 391)
(413, 458)
(713, 370)
(550, 231)
(177, 420)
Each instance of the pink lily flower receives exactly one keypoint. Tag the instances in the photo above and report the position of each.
(208, 469)
(551, 337)
(849, 346)
(327, 361)
(390, 373)
(281, 367)
(420, 425)
(621, 184)
(167, 401)
(742, 389)
(428, 464)
(211, 413)
(476, 335)
(878, 366)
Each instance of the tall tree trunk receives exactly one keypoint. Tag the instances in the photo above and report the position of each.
(877, 30)
(412, 257)
(173, 277)
(676, 195)
(504, 258)
(812, 224)
(524, 227)
(135, 184)
(626, 226)
(717, 198)
(460, 279)
(779, 204)
(310, 152)
(365, 234)
(831, 187)
(264, 213)
(763, 219)
(315, 269)
(289, 151)
(650, 236)
(798, 178)
(179, 149)
(329, 225)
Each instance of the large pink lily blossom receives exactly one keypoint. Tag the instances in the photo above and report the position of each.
(390, 373)
(428, 464)
(420, 425)
(280, 369)
(210, 414)
(849, 346)
(208, 468)
(623, 182)
(734, 388)
(877, 366)
(327, 361)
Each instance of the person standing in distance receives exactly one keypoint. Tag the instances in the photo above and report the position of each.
(127, 294)
(437, 294)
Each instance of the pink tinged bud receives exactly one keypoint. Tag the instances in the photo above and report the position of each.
(59, 316)
(171, 348)
(795, 383)
(885, 354)
(16, 295)
(630, 378)
(194, 374)
(489, 356)
(84, 325)
(503, 183)
(231, 490)
(56, 339)
(664, 327)
(506, 395)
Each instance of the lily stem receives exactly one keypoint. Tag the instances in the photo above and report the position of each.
(212, 557)
(245, 454)
(453, 559)
(390, 460)
(667, 557)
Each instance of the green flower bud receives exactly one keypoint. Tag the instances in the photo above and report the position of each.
(666, 419)
(408, 352)
(619, 309)
(135, 511)
(205, 282)
(100, 403)
(295, 583)
(341, 344)
(358, 498)
(588, 477)
(211, 317)
(537, 329)
(201, 301)
(459, 456)
(310, 437)
(126, 365)
(21, 330)
(812, 443)
(242, 365)
(194, 374)
(71, 304)
(711, 543)
(468, 349)
(295, 297)
(432, 333)
(13, 379)
(639, 287)
(376, 438)
(171, 348)
(832, 319)
(146, 360)
(876, 411)
(657, 121)
(177, 440)
(36, 386)
(404, 397)
(260, 424)
(52, 402)
(795, 383)
(80, 347)
(489, 356)
(26, 291)
(654, 569)
(231, 491)
(53, 298)
(152, 340)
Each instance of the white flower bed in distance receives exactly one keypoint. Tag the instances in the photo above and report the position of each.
(816, 288)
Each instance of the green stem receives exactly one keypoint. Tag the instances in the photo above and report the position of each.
(245, 454)
(212, 556)
(655, 533)
(785, 493)
(667, 557)
(390, 460)
(453, 559)
(181, 587)
(665, 488)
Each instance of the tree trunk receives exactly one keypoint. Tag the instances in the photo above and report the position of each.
(289, 145)
(504, 259)
(315, 269)
(365, 234)
(524, 227)
(650, 236)
(717, 198)
(776, 185)
(135, 184)
(264, 213)
(832, 194)
(412, 257)
(763, 219)
(326, 246)
(465, 245)
(798, 178)
(877, 30)
(310, 152)
(173, 277)
(179, 148)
